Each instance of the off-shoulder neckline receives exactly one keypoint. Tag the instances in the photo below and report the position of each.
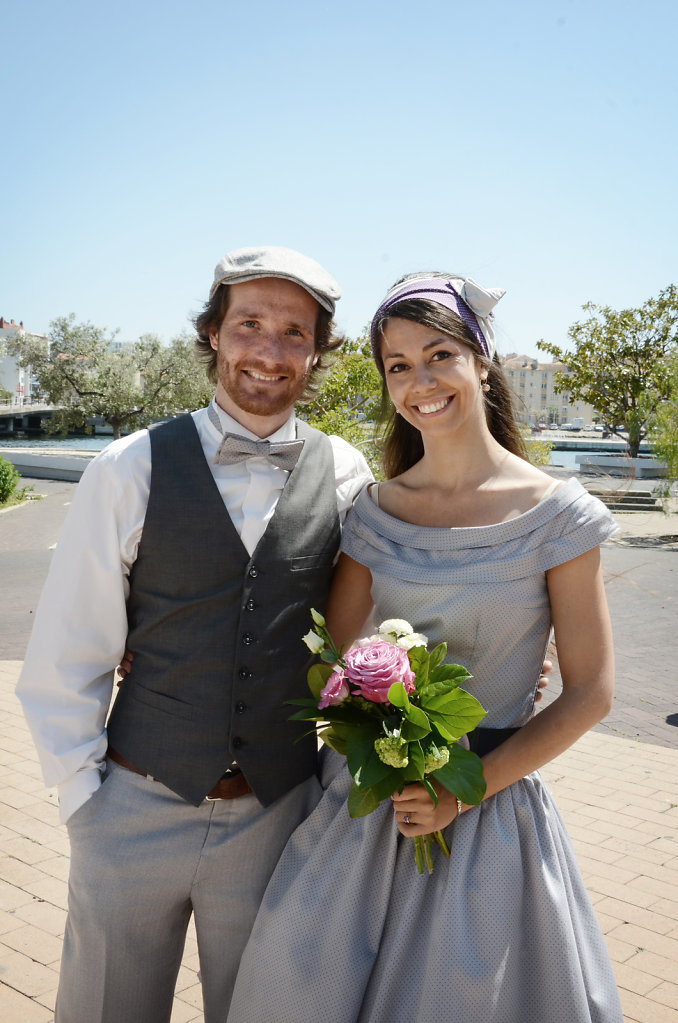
(429, 536)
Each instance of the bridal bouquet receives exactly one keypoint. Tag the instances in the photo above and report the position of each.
(396, 712)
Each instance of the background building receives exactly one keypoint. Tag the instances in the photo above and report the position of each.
(16, 384)
(537, 400)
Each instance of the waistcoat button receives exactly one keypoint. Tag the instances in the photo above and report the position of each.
(250, 605)
(240, 707)
(236, 742)
(247, 639)
(244, 673)
(253, 573)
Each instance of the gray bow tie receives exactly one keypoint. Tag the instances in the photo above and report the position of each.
(284, 453)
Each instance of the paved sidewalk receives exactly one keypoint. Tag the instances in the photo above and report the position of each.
(33, 881)
(619, 799)
(617, 787)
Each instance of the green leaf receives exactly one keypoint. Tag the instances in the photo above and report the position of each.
(361, 801)
(308, 714)
(397, 696)
(449, 673)
(361, 756)
(417, 716)
(304, 735)
(431, 791)
(372, 772)
(356, 711)
(316, 678)
(463, 775)
(415, 769)
(416, 723)
(393, 782)
(335, 740)
(419, 662)
(410, 730)
(436, 657)
(455, 713)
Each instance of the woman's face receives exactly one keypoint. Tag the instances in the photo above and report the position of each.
(433, 380)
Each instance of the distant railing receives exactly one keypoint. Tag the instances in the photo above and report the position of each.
(19, 403)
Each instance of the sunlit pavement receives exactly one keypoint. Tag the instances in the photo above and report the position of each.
(617, 789)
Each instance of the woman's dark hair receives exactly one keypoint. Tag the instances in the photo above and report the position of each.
(401, 443)
(209, 321)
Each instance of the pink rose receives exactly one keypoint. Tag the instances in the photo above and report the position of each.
(373, 669)
(335, 692)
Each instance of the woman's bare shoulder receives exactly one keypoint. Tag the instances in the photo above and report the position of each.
(534, 484)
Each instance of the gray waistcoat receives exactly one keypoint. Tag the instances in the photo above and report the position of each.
(216, 635)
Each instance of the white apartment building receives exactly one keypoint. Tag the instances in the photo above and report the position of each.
(537, 400)
(15, 382)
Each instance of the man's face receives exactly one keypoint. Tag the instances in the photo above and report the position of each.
(265, 351)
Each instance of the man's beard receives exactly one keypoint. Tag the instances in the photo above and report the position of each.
(265, 400)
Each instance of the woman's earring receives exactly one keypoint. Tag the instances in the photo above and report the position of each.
(484, 384)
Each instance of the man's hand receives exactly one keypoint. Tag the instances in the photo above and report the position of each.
(546, 670)
(125, 666)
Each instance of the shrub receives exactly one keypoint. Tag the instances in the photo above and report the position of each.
(538, 451)
(9, 480)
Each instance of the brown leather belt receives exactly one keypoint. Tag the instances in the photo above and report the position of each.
(230, 786)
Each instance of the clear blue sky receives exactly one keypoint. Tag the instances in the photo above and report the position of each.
(530, 145)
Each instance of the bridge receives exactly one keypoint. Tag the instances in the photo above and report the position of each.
(24, 420)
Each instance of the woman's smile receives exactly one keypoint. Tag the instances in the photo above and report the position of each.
(430, 408)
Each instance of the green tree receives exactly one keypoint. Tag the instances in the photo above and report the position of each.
(620, 362)
(664, 426)
(348, 400)
(83, 374)
(188, 386)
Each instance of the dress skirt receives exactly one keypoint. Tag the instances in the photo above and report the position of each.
(501, 932)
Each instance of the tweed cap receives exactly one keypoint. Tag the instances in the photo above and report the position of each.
(275, 261)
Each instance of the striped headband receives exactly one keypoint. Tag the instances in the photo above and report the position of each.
(470, 301)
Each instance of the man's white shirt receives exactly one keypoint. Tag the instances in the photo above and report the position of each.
(80, 628)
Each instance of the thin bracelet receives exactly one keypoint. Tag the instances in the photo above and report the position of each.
(459, 806)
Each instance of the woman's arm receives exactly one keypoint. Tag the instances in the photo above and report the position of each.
(584, 642)
(349, 604)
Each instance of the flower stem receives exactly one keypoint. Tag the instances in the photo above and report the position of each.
(440, 839)
(422, 850)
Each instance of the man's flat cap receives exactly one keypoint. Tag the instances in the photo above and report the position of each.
(274, 261)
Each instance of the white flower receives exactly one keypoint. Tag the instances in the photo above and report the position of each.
(395, 627)
(314, 643)
(317, 617)
(414, 639)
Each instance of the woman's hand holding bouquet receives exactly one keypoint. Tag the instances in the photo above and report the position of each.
(396, 712)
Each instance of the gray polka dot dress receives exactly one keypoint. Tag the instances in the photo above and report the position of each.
(502, 931)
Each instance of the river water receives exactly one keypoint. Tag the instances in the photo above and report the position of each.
(67, 444)
(562, 458)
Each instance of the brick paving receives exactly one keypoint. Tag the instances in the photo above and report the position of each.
(617, 788)
(619, 798)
